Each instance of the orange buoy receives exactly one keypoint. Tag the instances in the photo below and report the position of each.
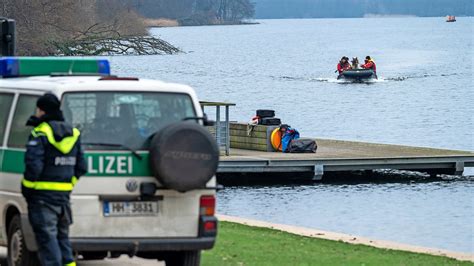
(275, 139)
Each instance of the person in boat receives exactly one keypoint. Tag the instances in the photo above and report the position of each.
(343, 64)
(369, 64)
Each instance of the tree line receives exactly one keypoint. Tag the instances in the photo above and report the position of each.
(195, 12)
(360, 8)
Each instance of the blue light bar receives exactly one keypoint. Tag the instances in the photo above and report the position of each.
(103, 67)
(9, 67)
(41, 66)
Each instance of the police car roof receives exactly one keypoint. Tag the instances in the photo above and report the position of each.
(62, 84)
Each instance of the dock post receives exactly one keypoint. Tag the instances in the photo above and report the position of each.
(318, 172)
(218, 126)
(227, 131)
(459, 168)
(221, 128)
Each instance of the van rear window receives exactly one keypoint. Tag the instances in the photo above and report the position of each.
(124, 118)
(6, 100)
(19, 132)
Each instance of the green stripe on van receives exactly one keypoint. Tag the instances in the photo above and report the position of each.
(1, 156)
(13, 161)
(104, 164)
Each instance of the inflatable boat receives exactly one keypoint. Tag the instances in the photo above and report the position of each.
(450, 19)
(358, 74)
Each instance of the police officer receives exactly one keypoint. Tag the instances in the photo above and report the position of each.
(54, 161)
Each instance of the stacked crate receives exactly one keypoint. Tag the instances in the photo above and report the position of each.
(258, 138)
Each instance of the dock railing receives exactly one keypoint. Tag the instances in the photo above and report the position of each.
(221, 129)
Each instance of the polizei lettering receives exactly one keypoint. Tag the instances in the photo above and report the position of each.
(63, 161)
(110, 165)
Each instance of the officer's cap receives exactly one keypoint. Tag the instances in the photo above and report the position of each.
(49, 103)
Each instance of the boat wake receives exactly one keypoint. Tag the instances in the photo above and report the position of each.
(288, 78)
(328, 80)
(345, 81)
(402, 78)
(379, 80)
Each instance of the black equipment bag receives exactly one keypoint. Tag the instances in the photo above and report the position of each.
(270, 121)
(302, 146)
(265, 113)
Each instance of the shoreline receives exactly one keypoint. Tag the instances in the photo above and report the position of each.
(169, 23)
(346, 238)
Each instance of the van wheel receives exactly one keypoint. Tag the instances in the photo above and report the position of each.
(184, 258)
(18, 254)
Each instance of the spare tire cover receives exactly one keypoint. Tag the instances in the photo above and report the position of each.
(184, 156)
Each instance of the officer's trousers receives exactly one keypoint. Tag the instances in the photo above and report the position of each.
(51, 226)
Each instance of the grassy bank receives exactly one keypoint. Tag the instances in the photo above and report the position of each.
(244, 245)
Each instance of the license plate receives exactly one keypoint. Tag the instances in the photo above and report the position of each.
(130, 208)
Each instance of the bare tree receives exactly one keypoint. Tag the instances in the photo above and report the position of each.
(46, 27)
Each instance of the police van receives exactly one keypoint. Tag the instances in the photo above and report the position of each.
(150, 186)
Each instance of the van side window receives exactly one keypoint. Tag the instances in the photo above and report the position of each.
(6, 100)
(19, 132)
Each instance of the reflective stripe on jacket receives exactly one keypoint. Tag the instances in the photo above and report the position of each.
(65, 145)
(46, 185)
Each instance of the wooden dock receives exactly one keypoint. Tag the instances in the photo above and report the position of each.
(341, 156)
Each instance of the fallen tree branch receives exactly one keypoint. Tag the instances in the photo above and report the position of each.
(132, 45)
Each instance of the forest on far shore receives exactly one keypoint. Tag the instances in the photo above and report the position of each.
(195, 12)
(271, 9)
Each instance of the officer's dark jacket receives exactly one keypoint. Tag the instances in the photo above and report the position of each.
(54, 161)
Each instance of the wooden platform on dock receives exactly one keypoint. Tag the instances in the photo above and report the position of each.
(337, 155)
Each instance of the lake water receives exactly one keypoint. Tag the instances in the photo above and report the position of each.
(424, 97)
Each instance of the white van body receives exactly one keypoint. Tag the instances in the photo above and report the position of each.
(113, 175)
